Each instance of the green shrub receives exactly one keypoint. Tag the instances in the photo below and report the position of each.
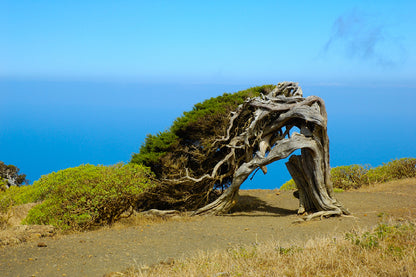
(11, 197)
(402, 168)
(356, 176)
(349, 177)
(289, 185)
(396, 169)
(5, 207)
(2, 184)
(16, 196)
(88, 195)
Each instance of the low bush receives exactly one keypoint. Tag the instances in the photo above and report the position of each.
(11, 197)
(349, 177)
(289, 185)
(86, 196)
(356, 176)
(2, 184)
(5, 210)
(16, 196)
(396, 169)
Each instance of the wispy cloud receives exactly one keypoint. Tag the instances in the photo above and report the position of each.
(363, 37)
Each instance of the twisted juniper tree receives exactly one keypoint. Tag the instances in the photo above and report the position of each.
(9, 176)
(205, 174)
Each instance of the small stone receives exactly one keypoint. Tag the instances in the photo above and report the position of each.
(42, 244)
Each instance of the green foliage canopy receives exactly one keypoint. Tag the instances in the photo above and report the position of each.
(187, 148)
(195, 128)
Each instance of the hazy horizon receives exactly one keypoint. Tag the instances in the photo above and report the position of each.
(56, 125)
(84, 82)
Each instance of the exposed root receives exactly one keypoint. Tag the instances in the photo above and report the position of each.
(161, 213)
(322, 214)
(220, 206)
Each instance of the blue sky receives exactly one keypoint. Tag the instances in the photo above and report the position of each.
(85, 81)
(209, 41)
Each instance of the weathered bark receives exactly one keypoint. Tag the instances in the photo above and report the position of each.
(260, 133)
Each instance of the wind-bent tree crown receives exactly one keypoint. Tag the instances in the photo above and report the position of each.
(257, 133)
(10, 176)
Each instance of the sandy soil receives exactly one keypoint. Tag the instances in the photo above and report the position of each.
(261, 215)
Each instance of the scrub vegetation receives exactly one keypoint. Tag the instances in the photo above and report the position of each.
(356, 176)
(88, 196)
(82, 197)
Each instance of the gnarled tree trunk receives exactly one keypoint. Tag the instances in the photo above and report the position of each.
(260, 132)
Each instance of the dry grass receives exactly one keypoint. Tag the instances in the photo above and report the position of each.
(387, 250)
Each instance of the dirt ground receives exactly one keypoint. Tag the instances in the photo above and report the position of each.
(261, 215)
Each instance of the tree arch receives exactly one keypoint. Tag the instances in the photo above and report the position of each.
(260, 132)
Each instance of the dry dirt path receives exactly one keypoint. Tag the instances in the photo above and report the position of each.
(261, 216)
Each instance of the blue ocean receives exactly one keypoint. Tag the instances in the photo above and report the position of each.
(46, 126)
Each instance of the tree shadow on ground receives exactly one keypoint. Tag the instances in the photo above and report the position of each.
(247, 203)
